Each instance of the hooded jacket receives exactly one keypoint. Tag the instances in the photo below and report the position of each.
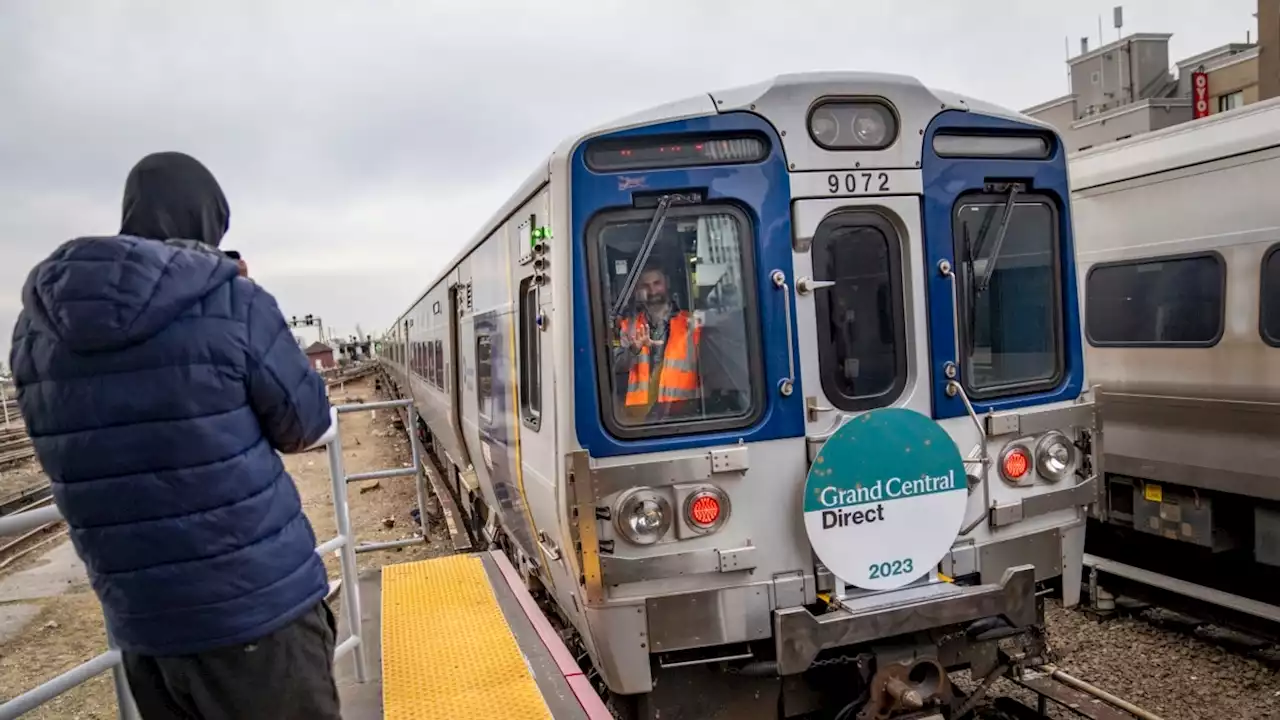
(157, 386)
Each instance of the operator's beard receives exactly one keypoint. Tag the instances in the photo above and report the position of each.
(658, 311)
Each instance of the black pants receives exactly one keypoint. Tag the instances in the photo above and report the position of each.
(286, 675)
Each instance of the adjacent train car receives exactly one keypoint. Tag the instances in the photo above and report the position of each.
(776, 394)
(1178, 233)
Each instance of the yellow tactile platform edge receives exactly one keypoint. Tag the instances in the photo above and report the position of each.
(447, 651)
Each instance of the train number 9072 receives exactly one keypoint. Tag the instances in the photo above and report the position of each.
(859, 183)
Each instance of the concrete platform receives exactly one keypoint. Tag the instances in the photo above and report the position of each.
(362, 701)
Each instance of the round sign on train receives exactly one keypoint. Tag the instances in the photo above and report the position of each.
(885, 498)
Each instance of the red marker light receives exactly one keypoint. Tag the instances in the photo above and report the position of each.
(1016, 463)
(705, 510)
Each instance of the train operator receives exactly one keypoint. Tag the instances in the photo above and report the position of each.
(157, 385)
(659, 335)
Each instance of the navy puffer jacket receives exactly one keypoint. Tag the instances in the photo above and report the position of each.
(157, 386)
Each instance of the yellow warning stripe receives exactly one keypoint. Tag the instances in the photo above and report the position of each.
(447, 651)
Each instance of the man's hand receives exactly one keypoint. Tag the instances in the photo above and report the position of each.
(640, 337)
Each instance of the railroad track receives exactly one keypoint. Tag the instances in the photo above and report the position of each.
(1042, 689)
(30, 496)
(334, 378)
(15, 446)
(1240, 624)
(17, 455)
(13, 549)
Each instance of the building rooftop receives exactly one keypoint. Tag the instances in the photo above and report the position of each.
(1048, 104)
(1144, 104)
(1117, 44)
(1215, 56)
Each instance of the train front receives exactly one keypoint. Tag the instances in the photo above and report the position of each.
(827, 383)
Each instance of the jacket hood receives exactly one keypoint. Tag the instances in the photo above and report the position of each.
(170, 195)
(107, 293)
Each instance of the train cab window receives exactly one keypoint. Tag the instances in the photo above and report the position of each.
(1269, 313)
(1171, 301)
(1010, 294)
(530, 356)
(861, 333)
(674, 306)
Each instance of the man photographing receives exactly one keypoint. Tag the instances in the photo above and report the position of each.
(240, 264)
(158, 384)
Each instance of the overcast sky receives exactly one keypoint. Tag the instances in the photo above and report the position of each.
(362, 143)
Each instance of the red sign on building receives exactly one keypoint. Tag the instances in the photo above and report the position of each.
(1199, 94)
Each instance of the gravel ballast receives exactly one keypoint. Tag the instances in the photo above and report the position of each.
(1166, 672)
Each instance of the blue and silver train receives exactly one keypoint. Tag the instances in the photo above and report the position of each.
(775, 395)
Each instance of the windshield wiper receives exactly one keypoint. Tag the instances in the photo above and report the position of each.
(642, 257)
(990, 266)
(970, 314)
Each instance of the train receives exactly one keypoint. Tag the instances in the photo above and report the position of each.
(1178, 242)
(643, 379)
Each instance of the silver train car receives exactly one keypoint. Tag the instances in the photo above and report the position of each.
(816, 260)
(1178, 239)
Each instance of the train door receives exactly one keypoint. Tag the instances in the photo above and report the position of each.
(458, 456)
(407, 365)
(535, 373)
(858, 307)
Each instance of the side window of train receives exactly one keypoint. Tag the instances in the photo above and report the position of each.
(678, 345)
(484, 374)
(861, 328)
(431, 365)
(530, 356)
(439, 353)
(1269, 312)
(1172, 301)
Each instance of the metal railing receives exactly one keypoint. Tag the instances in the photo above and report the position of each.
(343, 543)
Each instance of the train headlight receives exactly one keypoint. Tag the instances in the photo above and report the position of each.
(643, 516)
(1015, 463)
(846, 125)
(824, 126)
(1055, 456)
(706, 510)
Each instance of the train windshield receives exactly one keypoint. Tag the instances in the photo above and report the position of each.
(1009, 294)
(673, 299)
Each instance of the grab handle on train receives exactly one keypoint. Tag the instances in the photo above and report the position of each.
(787, 385)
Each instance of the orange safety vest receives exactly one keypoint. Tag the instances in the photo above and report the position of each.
(678, 379)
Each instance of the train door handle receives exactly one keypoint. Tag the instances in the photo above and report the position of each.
(786, 385)
(806, 285)
(548, 548)
(812, 407)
